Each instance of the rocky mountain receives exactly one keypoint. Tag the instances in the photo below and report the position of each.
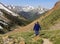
(28, 12)
(26, 8)
(9, 18)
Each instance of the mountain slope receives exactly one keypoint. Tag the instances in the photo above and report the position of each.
(12, 15)
(2, 6)
(9, 19)
(51, 18)
(8, 12)
(46, 21)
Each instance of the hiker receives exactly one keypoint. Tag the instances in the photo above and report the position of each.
(37, 28)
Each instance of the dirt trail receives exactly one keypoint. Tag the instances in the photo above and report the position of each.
(36, 38)
(46, 41)
(22, 29)
(22, 41)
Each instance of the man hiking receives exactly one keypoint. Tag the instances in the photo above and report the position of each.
(37, 28)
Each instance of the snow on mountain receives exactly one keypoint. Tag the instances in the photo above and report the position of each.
(4, 8)
(8, 18)
(28, 12)
(27, 8)
(41, 10)
(38, 9)
(21, 8)
(1, 27)
(11, 6)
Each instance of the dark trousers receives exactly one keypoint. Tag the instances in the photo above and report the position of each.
(36, 33)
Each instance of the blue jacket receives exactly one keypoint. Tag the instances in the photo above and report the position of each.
(37, 27)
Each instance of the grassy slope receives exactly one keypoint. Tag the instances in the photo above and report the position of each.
(27, 36)
(53, 35)
(51, 19)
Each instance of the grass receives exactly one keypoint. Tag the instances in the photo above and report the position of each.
(53, 35)
(51, 19)
(1, 40)
(27, 36)
(47, 22)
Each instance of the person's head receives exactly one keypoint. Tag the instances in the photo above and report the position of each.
(37, 22)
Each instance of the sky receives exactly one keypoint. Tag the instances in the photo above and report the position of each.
(34, 3)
